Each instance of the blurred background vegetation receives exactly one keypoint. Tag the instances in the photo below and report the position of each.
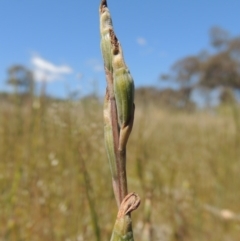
(183, 160)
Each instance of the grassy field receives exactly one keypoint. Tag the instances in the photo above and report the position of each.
(55, 181)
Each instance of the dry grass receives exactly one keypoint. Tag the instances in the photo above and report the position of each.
(189, 162)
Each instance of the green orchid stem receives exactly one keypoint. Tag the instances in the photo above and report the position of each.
(118, 121)
(119, 180)
(122, 175)
(119, 152)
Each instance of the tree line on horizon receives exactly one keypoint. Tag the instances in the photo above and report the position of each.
(218, 68)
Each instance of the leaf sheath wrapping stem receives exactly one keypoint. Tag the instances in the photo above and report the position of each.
(122, 230)
(109, 145)
(108, 137)
(123, 83)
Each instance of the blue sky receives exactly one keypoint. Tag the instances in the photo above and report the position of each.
(63, 35)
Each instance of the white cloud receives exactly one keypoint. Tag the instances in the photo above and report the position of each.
(95, 64)
(141, 41)
(47, 71)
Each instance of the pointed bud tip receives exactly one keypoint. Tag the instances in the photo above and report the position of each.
(103, 5)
